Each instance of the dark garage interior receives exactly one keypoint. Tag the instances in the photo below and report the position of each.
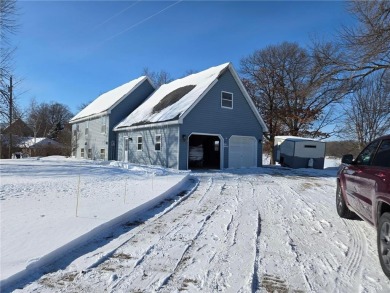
(204, 152)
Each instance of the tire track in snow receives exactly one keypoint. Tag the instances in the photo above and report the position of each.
(215, 249)
(200, 243)
(176, 228)
(354, 254)
(256, 272)
(177, 240)
(281, 195)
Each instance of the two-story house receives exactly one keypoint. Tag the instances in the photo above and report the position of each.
(204, 120)
(92, 128)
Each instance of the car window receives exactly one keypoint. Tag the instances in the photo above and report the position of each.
(367, 154)
(382, 157)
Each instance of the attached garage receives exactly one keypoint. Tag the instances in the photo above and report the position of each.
(242, 151)
(205, 120)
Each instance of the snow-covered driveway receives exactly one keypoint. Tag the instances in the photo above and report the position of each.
(243, 231)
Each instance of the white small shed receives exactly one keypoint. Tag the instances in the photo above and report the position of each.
(299, 152)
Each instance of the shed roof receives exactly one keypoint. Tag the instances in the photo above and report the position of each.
(107, 101)
(296, 138)
(172, 101)
(36, 142)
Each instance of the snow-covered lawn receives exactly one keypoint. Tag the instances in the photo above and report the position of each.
(53, 205)
(247, 230)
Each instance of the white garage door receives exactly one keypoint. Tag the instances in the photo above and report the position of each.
(242, 151)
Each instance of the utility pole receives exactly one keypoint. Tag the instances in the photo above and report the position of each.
(10, 116)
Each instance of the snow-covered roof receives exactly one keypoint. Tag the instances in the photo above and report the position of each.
(108, 100)
(172, 101)
(295, 138)
(31, 142)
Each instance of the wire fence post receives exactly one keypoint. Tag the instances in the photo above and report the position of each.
(78, 195)
(152, 180)
(124, 198)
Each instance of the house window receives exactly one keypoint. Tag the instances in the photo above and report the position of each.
(89, 153)
(308, 146)
(86, 127)
(82, 152)
(103, 121)
(157, 144)
(227, 100)
(76, 129)
(102, 154)
(139, 143)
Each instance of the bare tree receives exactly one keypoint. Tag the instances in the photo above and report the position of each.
(367, 114)
(47, 119)
(158, 78)
(293, 89)
(363, 49)
(368, 44)
(8, 26)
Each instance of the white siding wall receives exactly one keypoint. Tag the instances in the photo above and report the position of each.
(309, 149)
(95, 140)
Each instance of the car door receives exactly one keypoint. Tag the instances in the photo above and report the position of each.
(359, 181)
(381, 172)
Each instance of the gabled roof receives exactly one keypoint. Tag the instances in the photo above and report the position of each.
(106, 102)
(37, 142)
(295, 138)
(18, 127)
(173, 101)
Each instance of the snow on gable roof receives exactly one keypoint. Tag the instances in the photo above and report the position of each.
(282, 138)
(108, 100)
(172, 100)
(37, 142)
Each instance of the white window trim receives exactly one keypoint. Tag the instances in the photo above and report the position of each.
(103, 153)
(222, 100)
(86, 132)
(155, 137)
(142, 142)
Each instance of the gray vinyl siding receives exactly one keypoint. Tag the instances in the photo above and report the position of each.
(94, 140)
(209, 117)
(123, 109)
(166, 157)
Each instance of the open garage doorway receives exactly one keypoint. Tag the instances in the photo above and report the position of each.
(204, 152)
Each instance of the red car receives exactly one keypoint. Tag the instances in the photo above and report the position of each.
(363, 188)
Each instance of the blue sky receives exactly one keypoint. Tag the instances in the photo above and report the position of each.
(73, 51)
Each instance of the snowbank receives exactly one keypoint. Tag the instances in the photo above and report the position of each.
(51, 206)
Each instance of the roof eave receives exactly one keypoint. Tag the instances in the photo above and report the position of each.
(108, 110)
(86, 118)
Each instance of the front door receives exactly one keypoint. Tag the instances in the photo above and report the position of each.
(126, 149)
(360, 183)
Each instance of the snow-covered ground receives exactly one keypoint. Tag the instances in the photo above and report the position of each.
(246, 230)
(53, 205)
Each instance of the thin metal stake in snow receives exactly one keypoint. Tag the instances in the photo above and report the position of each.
(78, 195)
(124, 198)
